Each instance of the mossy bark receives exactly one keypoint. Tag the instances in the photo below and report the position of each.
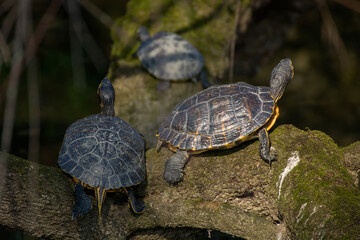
(232, 191)
(319, 199)
(352, 161)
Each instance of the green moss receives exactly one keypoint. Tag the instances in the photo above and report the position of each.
(196, 201)
(246, 2)
(319, 180)
(351, 147)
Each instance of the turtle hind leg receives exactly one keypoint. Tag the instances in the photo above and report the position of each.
(137, 205)
(203, 79)
(162, 85)
(174, 167)
(265, 146)
(82, 202)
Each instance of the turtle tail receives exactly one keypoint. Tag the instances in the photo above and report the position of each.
(100, 194)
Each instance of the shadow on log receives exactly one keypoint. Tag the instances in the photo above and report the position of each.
(308, 193)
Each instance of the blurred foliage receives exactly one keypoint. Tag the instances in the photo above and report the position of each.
(323, 95)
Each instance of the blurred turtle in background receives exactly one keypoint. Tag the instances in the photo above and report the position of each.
(169, 57)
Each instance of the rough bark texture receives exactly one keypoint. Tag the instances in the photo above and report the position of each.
(352, 161)
(255, 33)
(231, 191)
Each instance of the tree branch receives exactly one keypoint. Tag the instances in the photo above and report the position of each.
(232, 191)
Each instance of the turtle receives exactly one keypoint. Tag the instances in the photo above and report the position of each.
(104, 153)
(221, 117)
(169, 57)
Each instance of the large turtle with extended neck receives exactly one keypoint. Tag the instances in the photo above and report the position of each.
(222, 117)
(103, 153)
(169, 57)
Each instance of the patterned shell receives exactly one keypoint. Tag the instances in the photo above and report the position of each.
(168, 56)
(103, 151)
(217, 116)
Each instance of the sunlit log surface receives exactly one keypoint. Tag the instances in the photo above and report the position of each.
(307, 193)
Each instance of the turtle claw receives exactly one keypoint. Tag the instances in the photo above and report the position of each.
(270, 162)
(273, 158)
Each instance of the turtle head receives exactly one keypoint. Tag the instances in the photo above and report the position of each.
(106, 94)
(143, 34)
(280, 77)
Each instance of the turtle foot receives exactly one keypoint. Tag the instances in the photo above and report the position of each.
(173, 177)
(162, 85)
(267, 154)
(82, 202)
(174, 167)
(273, 158)
(136, 204)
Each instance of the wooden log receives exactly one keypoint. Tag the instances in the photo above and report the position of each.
(306, 193)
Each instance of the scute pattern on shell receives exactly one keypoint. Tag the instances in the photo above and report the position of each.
(103, 151)
(168, 56)
(217, 116)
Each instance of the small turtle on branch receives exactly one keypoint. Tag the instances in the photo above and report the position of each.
(169, 57)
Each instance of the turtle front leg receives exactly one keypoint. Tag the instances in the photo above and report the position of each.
(265, 146)
(174, 167)
(82, 202)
